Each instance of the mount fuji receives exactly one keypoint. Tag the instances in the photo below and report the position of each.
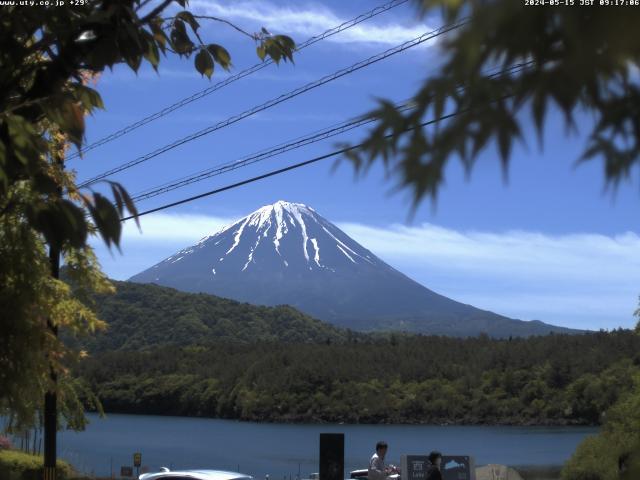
(286, 253)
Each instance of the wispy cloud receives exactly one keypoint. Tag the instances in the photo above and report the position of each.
(188, 73)
(579, 280)
(172, 228)
(160, 236)
(307, 20)
(569, 257)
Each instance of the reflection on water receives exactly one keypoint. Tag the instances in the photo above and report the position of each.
(282, 450)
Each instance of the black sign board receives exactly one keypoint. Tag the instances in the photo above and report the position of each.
(414, 467)
(458, 467)
(332, 456)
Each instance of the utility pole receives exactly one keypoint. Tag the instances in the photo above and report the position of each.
(51, 397)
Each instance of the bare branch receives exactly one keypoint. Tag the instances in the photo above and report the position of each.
(252, 36)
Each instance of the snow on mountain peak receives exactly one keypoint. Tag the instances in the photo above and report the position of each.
(282, 235)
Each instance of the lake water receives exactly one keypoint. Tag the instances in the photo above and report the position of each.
(281, 450)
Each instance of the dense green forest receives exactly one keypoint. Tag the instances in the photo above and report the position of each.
(141, 316)
(557, 379)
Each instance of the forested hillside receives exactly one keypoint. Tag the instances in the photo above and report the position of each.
(142, 316)
(558, 379)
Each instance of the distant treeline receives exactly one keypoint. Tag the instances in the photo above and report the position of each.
(557, 379)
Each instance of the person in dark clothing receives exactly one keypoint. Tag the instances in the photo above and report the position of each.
(433, 472)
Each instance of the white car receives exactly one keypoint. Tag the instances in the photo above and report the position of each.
(166, 474)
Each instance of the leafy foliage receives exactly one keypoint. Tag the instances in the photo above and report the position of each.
(16, 465)
(599, 457)
(582, 59)
(613, 454)
(557, 379)
(33, 303)
(46, 58)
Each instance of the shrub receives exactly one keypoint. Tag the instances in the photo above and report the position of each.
(16, 465)
(595, 459)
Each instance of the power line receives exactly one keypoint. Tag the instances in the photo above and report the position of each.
(233, 78)
(279, 171)
(257, 157)
(290, 145)
(510, 70)
(282, 98)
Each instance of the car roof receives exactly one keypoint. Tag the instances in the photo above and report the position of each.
(200, 474)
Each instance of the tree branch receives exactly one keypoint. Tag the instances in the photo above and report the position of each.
(155, 11)
(252, 36)
(143, 4)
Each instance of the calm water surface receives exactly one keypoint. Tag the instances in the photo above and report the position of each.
(281, 450)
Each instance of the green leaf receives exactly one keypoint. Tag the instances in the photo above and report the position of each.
(286, 41)
(220, 55)
(26, 144)
(150, 49)
(204, 63)
(538, 107)
(128, 202)
(286, 46)
(60, 222)
(180, 41)
(189, 18)
(273, 50)
(504, 143)
(131, 48)
(106, 218)
(134, 62)
(277, 47)
(88, 97)
(118, 199)
(158, 33)
(67, 114)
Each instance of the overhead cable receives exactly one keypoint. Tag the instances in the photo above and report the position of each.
(277, 100)
(233, 78)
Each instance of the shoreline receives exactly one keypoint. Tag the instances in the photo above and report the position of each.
(282, 448)
(302, 420)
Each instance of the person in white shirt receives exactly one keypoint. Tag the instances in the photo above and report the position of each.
(377, 469)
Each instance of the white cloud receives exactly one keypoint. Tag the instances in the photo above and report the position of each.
(123, 74)
(171, 228)
(307, 21)
(161, 235)
(567, 257)
(579, 280)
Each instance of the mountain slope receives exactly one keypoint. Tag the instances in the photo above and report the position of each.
(286, 253)
(141, 316)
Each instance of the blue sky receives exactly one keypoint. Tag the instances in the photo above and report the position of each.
(548, 244)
